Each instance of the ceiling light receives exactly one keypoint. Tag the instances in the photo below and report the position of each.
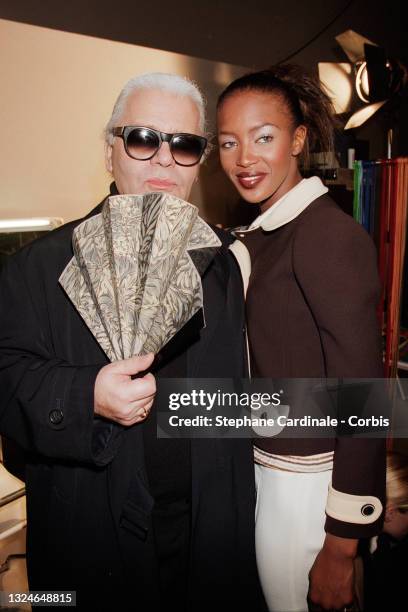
(30, 224)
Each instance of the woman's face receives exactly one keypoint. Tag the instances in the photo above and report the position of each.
(396, 522)
(259, 145)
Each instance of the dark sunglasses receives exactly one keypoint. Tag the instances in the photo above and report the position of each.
(142, 143)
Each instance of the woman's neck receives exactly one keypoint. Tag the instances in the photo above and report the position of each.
(290, 181)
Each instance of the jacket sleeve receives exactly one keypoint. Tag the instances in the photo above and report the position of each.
(335, 265)
(46, 404)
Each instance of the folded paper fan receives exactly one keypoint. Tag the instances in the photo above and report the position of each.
(135, 275)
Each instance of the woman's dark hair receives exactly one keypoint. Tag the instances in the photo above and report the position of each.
(303, 97)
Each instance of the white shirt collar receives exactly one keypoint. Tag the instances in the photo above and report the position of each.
(289, 206)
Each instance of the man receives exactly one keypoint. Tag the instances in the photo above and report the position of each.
(126, 520)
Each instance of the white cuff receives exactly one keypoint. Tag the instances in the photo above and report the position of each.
(359, 509)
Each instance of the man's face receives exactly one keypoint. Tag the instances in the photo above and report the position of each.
(166, 112)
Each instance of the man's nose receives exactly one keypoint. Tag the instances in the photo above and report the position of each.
(163, 157)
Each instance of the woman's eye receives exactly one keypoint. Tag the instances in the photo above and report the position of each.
(266, 138)
(227, 145)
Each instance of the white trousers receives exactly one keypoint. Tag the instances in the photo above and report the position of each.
(289, 532)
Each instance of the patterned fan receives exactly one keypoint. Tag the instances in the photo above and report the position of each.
(135, 274)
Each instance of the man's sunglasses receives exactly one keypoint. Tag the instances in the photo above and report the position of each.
(142, 143)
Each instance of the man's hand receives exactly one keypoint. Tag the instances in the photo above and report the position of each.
(332, 574)
(119, 398)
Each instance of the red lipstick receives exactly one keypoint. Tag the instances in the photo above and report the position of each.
(250, 180)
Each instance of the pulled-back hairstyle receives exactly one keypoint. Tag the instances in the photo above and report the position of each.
(303, 97)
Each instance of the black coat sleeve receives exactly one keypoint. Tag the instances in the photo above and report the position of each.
(335, 265)
(46, 403)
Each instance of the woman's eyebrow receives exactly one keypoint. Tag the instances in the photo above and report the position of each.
(262, 125)
(254, 129)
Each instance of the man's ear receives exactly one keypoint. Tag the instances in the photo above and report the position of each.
(299, 138)
(108, 157)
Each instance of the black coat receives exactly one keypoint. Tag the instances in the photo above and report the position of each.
(88, 502)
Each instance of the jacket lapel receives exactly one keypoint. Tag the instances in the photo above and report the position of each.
(214, 282)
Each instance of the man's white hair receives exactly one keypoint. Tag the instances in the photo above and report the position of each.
(173, 83)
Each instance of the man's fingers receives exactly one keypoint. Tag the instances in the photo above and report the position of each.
(140, 388)
(138, 408)
(117, 396)
(136, 415)
(133, 365)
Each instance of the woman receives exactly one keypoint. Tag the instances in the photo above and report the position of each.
(311, 300)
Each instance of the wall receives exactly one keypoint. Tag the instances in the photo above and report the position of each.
(57, 95)
(220, 31)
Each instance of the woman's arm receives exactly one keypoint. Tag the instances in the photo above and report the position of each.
(335, 265)
(334, 260)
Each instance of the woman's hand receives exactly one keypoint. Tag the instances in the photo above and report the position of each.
(332, 574)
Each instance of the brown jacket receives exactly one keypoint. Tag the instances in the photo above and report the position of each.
(311, 312)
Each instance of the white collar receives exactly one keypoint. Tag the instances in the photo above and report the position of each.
(289, 206)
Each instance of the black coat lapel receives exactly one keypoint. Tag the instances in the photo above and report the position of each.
(215, 283)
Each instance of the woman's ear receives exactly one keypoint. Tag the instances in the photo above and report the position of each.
(389, 513)
(298, 141)
(108, 157)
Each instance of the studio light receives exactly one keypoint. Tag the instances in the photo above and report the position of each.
(371, 78)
